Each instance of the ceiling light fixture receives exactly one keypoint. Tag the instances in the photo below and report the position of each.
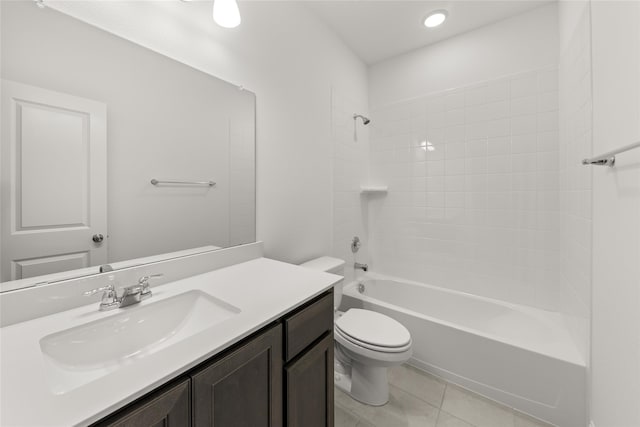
(226, 13)
(435, 18)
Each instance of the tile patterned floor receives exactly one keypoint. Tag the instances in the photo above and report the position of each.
(418, 399)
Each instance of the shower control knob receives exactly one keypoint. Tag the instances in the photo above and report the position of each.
(98, 238)
(355, 244)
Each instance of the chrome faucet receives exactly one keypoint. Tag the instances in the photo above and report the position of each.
(363, 267)
(130, 295)
(109, 299)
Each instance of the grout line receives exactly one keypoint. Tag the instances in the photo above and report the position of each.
(444, 392)
(438, 417)
(458, 418)
(421, 398)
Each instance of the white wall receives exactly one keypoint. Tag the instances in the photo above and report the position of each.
(616, 215)
(479, 213)
(575, 179)
(290, 60)
(242, 181)
(524, 42)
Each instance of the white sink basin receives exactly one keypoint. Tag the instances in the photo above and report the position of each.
(79, 355)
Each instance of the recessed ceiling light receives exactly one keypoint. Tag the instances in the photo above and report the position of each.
(226, 13)
(435, 18)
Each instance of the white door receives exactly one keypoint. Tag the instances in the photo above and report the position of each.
(53, 170)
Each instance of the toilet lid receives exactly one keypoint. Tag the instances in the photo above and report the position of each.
(343, 338)
(373, 328)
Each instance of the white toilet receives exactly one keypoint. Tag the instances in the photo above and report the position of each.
(366, 343)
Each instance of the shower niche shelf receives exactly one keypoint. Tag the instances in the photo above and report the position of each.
(373, 189)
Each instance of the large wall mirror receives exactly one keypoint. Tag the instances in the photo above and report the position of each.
(89, 120)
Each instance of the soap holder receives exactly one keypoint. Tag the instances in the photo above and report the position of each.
(374, 189)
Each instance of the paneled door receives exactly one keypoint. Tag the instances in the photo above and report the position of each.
(53, 170)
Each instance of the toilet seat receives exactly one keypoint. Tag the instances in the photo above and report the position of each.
(374, 331)
(339, 334)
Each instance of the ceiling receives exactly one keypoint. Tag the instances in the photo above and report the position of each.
(378, 30)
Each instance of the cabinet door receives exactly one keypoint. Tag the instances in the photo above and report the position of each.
(309, 387)
(244, 388)
(166, 408)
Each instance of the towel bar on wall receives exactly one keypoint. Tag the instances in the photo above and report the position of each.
(207, 183)
(609, 158)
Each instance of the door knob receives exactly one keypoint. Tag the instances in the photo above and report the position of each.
(97, 238)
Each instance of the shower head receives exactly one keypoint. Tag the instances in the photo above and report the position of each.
(365, 120)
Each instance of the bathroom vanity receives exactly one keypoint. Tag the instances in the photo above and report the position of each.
(287, 365)
(249, 343)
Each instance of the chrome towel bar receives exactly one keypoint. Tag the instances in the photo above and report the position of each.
(207, 183)
(609, 158)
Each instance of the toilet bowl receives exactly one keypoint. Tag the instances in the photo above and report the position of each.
(366, 344)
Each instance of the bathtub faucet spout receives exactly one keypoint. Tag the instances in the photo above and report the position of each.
(363, 267)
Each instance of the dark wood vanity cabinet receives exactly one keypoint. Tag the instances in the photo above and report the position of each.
(280, 376)
(305, 326)
(309, 387)
(243, 388)
(309, 369)
(168, 407)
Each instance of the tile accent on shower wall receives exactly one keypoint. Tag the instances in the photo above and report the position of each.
(575, 179)
(473, 199)
(350, 171)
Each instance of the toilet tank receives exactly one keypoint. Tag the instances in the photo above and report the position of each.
(333, 266)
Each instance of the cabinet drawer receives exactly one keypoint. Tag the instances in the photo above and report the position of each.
(307, 325)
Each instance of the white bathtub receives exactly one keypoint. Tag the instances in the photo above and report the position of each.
(520, 356)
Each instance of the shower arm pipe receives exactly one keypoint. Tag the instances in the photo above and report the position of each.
(365, 120)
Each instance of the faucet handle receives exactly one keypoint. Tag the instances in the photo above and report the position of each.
(107, 288)
(144, 282)
(145, 279)
(109, 299)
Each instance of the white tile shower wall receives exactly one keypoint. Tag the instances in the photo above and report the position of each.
(350, 171)
(473, 189)
(575, 179)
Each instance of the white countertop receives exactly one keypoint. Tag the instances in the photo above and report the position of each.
(263, 289)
